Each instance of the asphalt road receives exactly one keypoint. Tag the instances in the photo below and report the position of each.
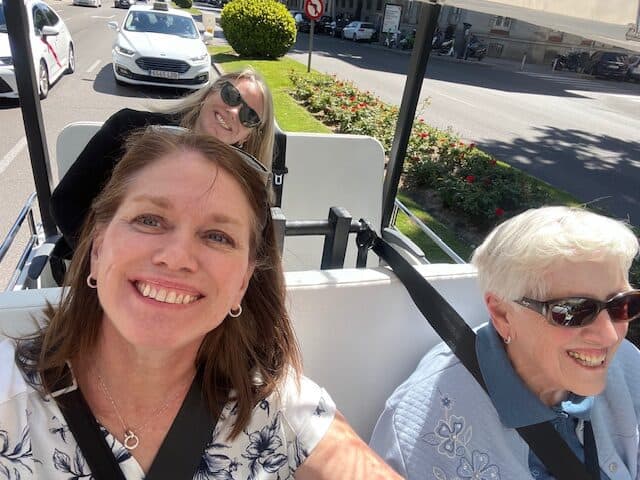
(89, 94)
(579, 134)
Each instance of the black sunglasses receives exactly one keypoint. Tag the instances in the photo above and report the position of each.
(575, 312)
(231, 96)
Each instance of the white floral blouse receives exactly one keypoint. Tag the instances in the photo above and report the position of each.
(35, 442)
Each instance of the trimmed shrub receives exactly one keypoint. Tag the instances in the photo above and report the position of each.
(258, 28)
(183, 3)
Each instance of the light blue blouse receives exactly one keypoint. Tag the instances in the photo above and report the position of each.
(440, 424)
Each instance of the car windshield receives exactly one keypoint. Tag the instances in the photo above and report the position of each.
(3, 22)
(614, 57)
(367, 25)
(154, 22)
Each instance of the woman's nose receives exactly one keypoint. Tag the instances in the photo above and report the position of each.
(604, 330)
(177, 252)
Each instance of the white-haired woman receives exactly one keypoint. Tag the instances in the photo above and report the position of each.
(237, 109)
(555, 283)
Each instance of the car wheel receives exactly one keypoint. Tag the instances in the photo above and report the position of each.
(43, 80)
(71, 66)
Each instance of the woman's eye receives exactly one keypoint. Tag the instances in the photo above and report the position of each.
(147, 220)
(219, 237)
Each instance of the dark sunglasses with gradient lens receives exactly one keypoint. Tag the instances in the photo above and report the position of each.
(231, 96)
(575, 312)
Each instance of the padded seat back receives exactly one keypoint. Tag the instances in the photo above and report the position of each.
(360, 333)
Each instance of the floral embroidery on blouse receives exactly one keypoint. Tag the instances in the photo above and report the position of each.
(15, 457)
(451, 438)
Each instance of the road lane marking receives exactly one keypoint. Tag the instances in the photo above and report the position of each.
(454, 99)
(103, 17)
(93, 66)
(12, 154)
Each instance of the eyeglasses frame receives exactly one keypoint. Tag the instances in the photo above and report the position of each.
(544, 307)
(244, 104)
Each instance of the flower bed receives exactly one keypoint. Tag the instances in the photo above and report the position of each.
(468, 181)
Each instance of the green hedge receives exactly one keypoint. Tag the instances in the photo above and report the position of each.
(258, 28)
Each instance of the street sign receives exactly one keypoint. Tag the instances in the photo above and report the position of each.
(314, 8)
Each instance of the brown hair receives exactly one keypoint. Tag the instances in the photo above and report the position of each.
(261, 139)
(260, 343)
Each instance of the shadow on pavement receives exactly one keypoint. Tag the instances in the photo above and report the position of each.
(594, 168)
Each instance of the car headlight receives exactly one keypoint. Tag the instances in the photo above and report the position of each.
(200, 58)
(6, 60)
(124, 51)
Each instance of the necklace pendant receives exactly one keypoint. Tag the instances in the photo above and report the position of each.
(131, 440)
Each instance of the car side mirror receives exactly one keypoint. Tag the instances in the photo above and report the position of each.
(49, 31)
(113, 26)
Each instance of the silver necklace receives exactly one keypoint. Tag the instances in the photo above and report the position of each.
(131, 439)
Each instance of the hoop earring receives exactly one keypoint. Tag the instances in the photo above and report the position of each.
(507, 340)
(92, 282)
(236, 313)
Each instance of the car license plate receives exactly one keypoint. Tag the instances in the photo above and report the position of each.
(164, 74)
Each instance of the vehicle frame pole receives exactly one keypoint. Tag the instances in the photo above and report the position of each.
(427, 23)
(18, 31)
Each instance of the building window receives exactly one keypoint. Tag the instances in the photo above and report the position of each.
(502, 23)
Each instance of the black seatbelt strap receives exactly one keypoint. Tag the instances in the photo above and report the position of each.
(590, 451)
(179, 455)
(279, 167)
(90, 438)
(542, 438)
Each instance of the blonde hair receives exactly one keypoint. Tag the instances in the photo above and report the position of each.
(515, 258)
(261, 139)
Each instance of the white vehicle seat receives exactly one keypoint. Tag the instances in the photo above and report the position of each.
(360, 333)
(324, 171)
(71, 141)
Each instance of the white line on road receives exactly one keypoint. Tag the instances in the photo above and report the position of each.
(12, 154)
(100, 16)
(93, 66)
(454, 99)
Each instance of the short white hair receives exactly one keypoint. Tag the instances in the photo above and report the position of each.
(516, 257)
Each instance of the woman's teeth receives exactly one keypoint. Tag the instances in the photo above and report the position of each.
(588, 360)
(164, 295)
(222, 122)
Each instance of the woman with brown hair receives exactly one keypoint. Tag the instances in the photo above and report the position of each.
(237, 109)
(172, 329)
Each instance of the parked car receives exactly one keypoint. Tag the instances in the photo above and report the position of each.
(123, 3)
(52, 49)
(335, 27)
(359, 31)
(608, 64)
(323, 25)
(633, 73)
(160, 46)
(303, 23)
(88, 3)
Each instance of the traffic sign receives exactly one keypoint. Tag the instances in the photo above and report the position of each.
(314, 9)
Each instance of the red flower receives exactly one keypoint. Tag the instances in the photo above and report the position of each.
(472, 145)
(424, 135)
(352, 98)
(452, 144)
(493, 162)
(421, 120)
(470, 179)
(499, 212)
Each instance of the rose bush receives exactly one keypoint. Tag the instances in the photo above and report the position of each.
(469, 181)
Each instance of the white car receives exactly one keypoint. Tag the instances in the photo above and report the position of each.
(88, 3)
(359, 31)
(51, 49)
(160, 46)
